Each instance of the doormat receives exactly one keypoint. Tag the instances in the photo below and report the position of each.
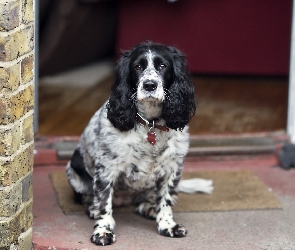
(233, 190)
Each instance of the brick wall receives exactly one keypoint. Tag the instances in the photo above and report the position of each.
(16, 123)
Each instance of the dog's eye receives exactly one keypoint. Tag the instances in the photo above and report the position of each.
(138, 67)
(162, 66)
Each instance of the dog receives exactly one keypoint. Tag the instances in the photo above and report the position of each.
(132, 151)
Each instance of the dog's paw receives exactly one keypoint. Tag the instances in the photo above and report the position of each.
(103, 237)
(177, 231)
(147, 210)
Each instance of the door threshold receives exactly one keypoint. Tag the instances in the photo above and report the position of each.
(58, 150)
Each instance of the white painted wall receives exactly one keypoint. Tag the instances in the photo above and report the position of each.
(291, 105)
(36, 62)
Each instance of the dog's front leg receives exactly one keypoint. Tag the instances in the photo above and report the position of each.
(101, 209)
(166, 199)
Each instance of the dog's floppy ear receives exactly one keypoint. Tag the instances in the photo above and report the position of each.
(121, 110)
(180, 106)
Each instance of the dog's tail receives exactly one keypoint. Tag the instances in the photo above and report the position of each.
(196, 185)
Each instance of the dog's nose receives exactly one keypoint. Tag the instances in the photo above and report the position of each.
(150, 86)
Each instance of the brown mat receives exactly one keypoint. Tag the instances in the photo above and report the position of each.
(233, 190)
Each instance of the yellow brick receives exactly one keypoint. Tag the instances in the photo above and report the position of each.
(16, 44)
(9, 18)
(4, 111)
(22, 102)
(25, 240)
(25, 40)
(13, 107)
(27, 66)
(28, 11)
(4, 48)
(28, 130)
(12, 170)
(10, 200)
(11, 229)
(27, 188)
(24, 163)
(10, 140)
(9, 78)
(4, 173)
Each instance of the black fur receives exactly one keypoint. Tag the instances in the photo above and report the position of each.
(121, 110)
(180, 107)
(77, 164)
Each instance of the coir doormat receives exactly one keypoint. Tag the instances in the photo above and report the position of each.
(233, 190)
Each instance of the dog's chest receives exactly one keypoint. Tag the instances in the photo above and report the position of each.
(138, 181)
(144, 163)
(129, 156)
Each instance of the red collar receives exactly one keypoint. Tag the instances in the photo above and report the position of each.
(150, 124)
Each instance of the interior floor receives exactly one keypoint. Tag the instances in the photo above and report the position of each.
(226, 104)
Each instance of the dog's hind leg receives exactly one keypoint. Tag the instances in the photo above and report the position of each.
(146, 203)
(78, 177)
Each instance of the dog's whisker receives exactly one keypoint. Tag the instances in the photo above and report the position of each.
(167, 91)
(166, 95)
(133, 97)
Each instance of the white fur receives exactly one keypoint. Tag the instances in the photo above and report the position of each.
(150, 74)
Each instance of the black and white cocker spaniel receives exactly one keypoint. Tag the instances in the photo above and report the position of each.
(133, 149)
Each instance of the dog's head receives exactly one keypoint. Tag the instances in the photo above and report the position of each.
(151, 71)
(154, 80)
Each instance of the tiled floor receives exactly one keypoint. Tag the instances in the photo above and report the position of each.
(264, 229)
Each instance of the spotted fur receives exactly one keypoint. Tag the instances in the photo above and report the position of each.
(114, 164)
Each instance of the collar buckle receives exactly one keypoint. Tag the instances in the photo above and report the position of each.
(151, 125)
